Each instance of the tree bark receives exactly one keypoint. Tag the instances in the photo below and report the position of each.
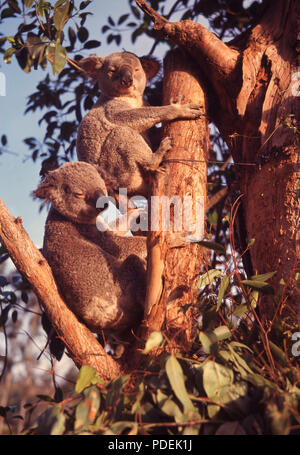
(82, 346)
(251, 97)
(173, 270)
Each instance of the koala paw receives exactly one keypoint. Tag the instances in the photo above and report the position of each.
(165, 145)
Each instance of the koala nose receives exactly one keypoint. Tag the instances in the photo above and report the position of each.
(93, 198)
(98, 193)
(126, 77)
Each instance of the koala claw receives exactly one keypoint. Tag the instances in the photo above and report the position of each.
(161, 170)
(166, 144)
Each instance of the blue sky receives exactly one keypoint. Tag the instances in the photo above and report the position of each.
(19, 176)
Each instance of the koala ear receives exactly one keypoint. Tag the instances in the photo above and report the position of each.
(91, 65)
(150, 65)
(43, 190)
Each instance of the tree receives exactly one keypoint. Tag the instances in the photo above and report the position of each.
(246, 78)
(249, 86)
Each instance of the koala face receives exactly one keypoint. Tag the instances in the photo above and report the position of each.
(120, 73)
(73, 190)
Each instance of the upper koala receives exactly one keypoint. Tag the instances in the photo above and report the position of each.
(113, 134)
(100, 275)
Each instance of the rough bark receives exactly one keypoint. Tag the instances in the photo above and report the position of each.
(250, 95)
(82, 346)
(173, 270)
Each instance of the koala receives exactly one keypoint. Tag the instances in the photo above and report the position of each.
(101, 276)
(113, 134)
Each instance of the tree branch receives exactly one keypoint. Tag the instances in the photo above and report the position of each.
(218, 61)
(82, 345)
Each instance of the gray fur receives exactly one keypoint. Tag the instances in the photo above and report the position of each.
(101, 276)
(113, 134)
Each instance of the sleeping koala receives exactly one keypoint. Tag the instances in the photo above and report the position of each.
(100, 275)
(113, 134)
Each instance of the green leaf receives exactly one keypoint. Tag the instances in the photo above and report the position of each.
(208, 277)
(240, 362)
(154, 340)
(122, 18)
(176, 379)
(250, 243)
(87, 376)
(223, 286)
(72, 36)
(14, 5)
(91, 44)
(253, 297)
(209, 342)
(43, 6)
(51, 422)
(278, 353)
(82, 34)
(216, 377)
(240, 310)
(84, 4)
(87, 409)
(213, 246)
(60, 15)
(222, 332)
(3, 142)
(56, 54)
(256, 284)
(168, 406)
(8, 54)
(263, 277)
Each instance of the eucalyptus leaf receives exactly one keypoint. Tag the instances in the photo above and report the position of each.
(215, 377)
(263, 277)
(154, 340)
(60, 15)
(208, 277)
(223, 286)
(87, 409)
(51, 422)
(222, 332)
(256, 284)
(87, 376)
(212, 246)
(56, 54)
(209, 342)
(176, 379)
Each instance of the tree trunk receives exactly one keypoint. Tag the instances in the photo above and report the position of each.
(173, 269)
(81, 344)
(251, 84)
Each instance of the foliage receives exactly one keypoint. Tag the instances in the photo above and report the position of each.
(240, 377)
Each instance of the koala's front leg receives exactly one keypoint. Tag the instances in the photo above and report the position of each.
(143, 118)
(158, 156)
